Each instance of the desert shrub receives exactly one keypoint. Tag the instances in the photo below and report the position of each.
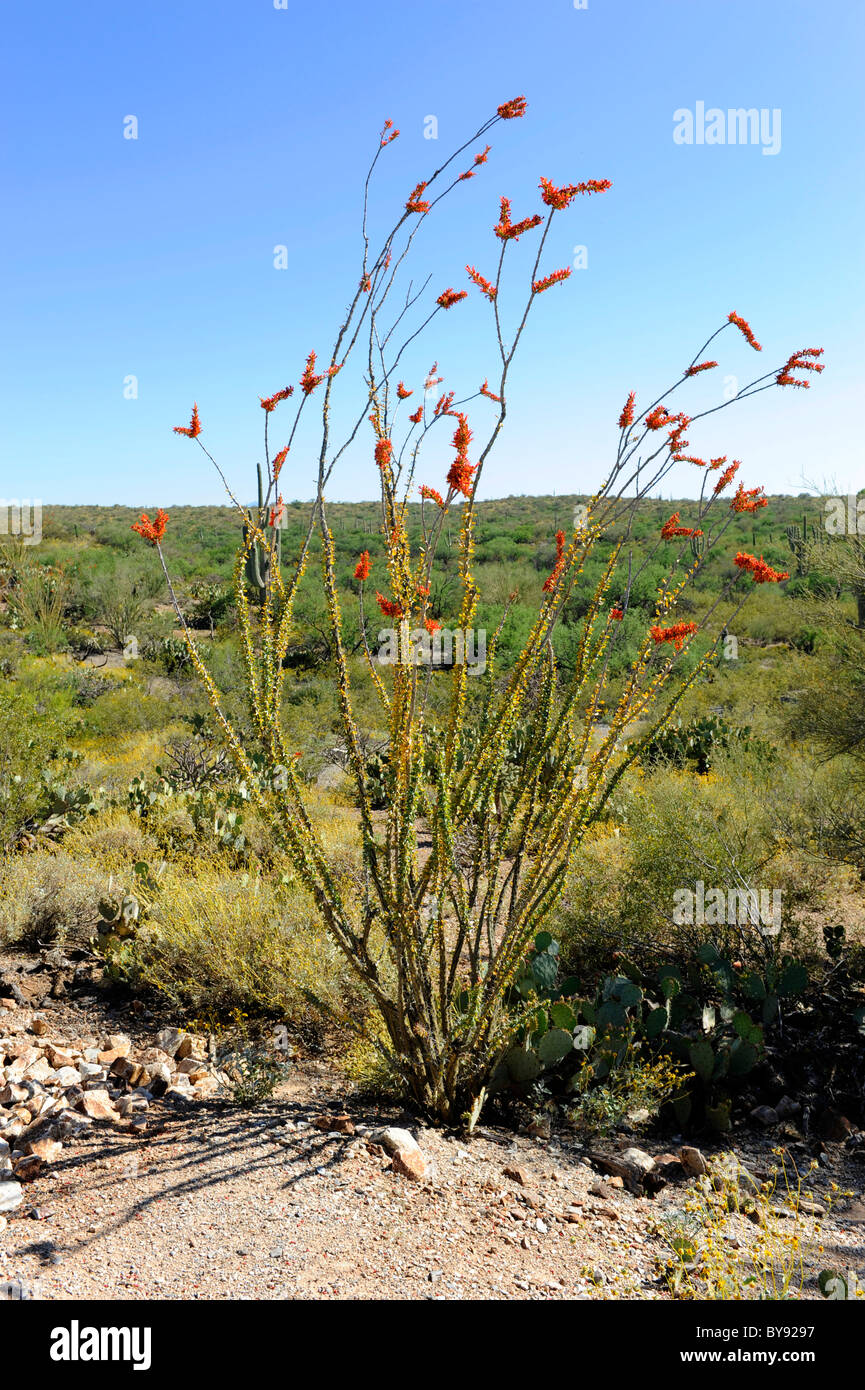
(670, 830)
(32, 743)
(49, 895)
(221, 945)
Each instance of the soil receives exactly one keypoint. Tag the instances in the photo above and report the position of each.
(212, 1201)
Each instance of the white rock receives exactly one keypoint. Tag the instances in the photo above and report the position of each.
(10, 1196)
(67, 1076)
(394, 1140)
(169, 1039)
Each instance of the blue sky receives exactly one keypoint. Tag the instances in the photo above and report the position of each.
(153, 257)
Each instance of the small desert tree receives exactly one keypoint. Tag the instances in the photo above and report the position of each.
(439, 937)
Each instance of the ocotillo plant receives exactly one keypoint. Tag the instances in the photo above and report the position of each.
(438, 937)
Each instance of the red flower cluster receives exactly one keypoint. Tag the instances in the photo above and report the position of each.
(700, 367)
(506, 230)
(483, 285)
(658, 418)
(749, 500)
(559, 198)
(444, 403)
(361, 569)
(417, 415)
(479, 159)
(385, 138)
(538, 286)
(431, 495)
(802, 361)
(193, 428)
(509, 110)
(745, 328)
(677, 634)
(277, 513)
(366, 284)
(309, 380)
(403, 391)
(388, 607)
(671, 529)
(554, 576)
(616, 615)
(416, 203)
(490, 395)
(627, 416)
(269, 403)
(152, 530)
(279, 461)
(676, 441)
(432, 380)
(450, 297)
(383, 453)
(460, 473)
(432, 625)
(726, 477)
(758, 569)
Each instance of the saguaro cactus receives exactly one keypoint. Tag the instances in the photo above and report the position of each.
(257, 558)
(798, 541)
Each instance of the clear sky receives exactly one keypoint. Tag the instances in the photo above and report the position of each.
(154, 258)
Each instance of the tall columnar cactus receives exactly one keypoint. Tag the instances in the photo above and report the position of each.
(258, 558)
(798, 541)
(698, 545)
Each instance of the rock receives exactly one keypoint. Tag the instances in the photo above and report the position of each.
(765, 1115)
(72, 1125)
(394, 1140)
(127, 1070)
(120, 1043)
(633, 1165)
(8, 1004)
(13, 1093)
(518, 1175)
(39, 1026)
(335, 1124)
(808, 1207)
(169, 1040)
(40, 1070)
(27, 1167)
(693, 1161)
(49, 1150)
(10, 1196)
(207, 1085)
(834, 1127)
(601, 1189)
(59, 1057)
(67, 1076)
(89, 1071)
(410, 1163)
(728, 1170)
(786, 1108)
(668, 1168)
(98, 1105)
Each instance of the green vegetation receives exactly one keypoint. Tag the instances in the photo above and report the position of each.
(115, 790)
